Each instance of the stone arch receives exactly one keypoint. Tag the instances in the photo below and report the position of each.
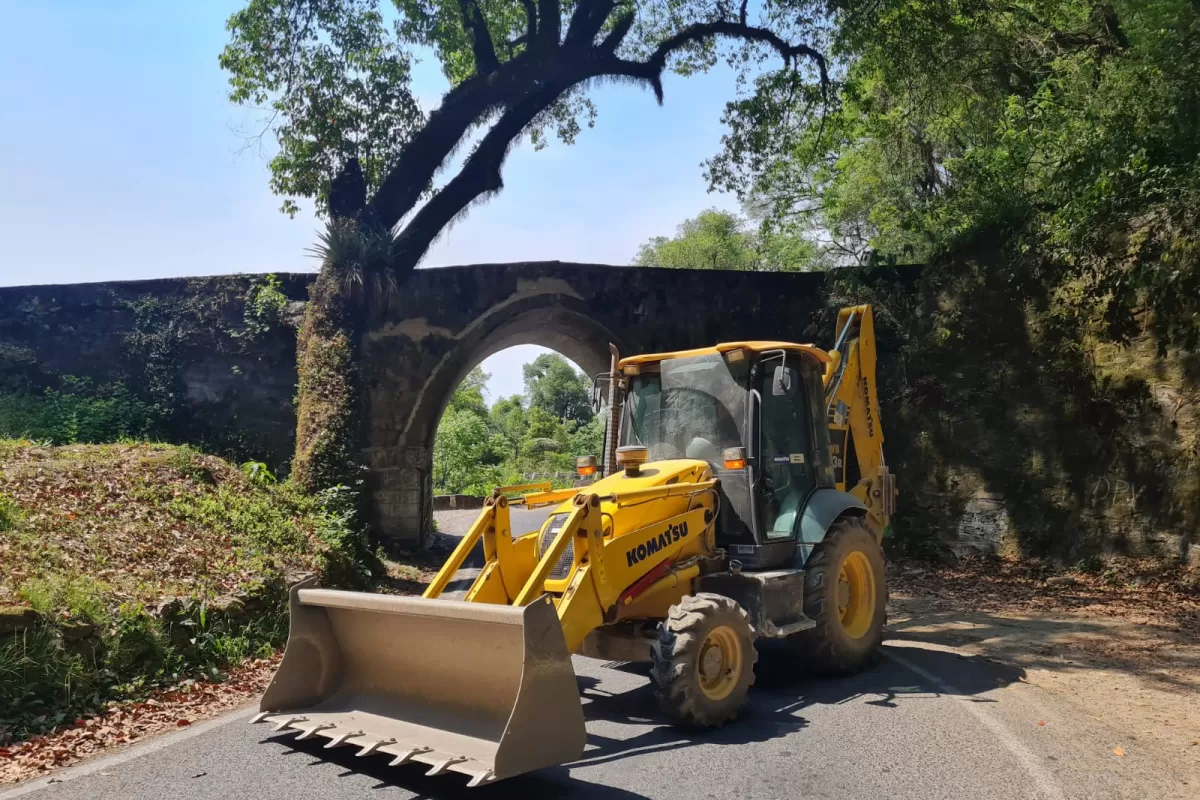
(577, 336)
(418, 366)
(444, 321)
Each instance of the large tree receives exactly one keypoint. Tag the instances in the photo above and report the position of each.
(350, 134)
(1067, 130)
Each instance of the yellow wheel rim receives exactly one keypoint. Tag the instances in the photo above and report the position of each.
(856, 595)
(720, 664)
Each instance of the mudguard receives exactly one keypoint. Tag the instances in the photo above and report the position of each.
(822, 508)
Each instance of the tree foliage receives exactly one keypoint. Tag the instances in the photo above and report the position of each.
(1069, 130)
(335, 79)
(477, 448)
(554, 386)
(716, 239)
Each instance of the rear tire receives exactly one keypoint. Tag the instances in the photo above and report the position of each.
(845, 593)
(702, 665)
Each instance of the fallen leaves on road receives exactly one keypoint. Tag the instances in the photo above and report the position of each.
(979, 584)
(129, 722)
(1119, 752)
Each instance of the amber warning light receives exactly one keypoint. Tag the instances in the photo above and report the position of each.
(585, 466)
(734, 457)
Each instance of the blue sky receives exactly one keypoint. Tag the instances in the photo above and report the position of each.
(120, 158)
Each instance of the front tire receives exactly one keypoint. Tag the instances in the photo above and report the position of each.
(703, 661)
(845, 593)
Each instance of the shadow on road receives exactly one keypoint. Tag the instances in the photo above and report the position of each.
(547, 783)
(782, 691)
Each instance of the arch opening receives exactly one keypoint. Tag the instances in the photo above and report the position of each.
(522, 415)
(405, 485)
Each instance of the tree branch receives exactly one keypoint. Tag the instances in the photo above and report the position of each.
(737, 30)
(480, 175)
(620, 30)
(531, 23)
(516, 86)
(587, 21)
(549, 24)
(481, 39)
(461, 109)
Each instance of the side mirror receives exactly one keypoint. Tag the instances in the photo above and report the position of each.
(781, 382)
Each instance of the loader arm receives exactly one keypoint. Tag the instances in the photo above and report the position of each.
(855, 428)
(609, 577)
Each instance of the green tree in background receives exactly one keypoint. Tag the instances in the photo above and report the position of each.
(552, 384)
(1068, 131)
(722, 240)
(507, 419)
(477, 448)
(467, 456)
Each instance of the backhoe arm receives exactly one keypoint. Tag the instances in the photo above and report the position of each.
(855, 429)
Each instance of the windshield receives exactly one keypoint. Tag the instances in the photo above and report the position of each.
(687, 408)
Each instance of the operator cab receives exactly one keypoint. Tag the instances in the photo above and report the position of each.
(762, 401)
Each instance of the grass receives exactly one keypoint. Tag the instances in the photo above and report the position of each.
(173, 563)
(112, 524)
(10, 514)
(82, 597)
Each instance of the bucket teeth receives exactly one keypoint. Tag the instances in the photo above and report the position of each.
(341, 738)
(314, 730)
(260, 716)
(480, 778)
(286, 722)
(443, 765)
(373, 746)
(407, 756)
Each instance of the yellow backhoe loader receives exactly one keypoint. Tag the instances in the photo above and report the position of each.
(749, 501)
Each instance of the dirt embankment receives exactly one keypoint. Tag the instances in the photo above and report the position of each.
(130, 568)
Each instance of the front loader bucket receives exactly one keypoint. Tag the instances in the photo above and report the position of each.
(485, 690)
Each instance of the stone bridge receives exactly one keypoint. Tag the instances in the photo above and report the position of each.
(445, 321)
(233, 394)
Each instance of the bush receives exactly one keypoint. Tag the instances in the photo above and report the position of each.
(346, 558)
(46, 680)
(78, 412)
(39, 678)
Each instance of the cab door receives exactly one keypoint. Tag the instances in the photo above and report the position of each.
(787, 465)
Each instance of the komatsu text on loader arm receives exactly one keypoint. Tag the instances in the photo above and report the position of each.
(749, 501)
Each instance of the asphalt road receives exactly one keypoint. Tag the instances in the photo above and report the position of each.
(923, 723)
(456, 523)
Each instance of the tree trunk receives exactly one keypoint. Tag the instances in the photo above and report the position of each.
(328, 429)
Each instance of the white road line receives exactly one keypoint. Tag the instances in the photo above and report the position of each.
(1046, 784)
(155, 744)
